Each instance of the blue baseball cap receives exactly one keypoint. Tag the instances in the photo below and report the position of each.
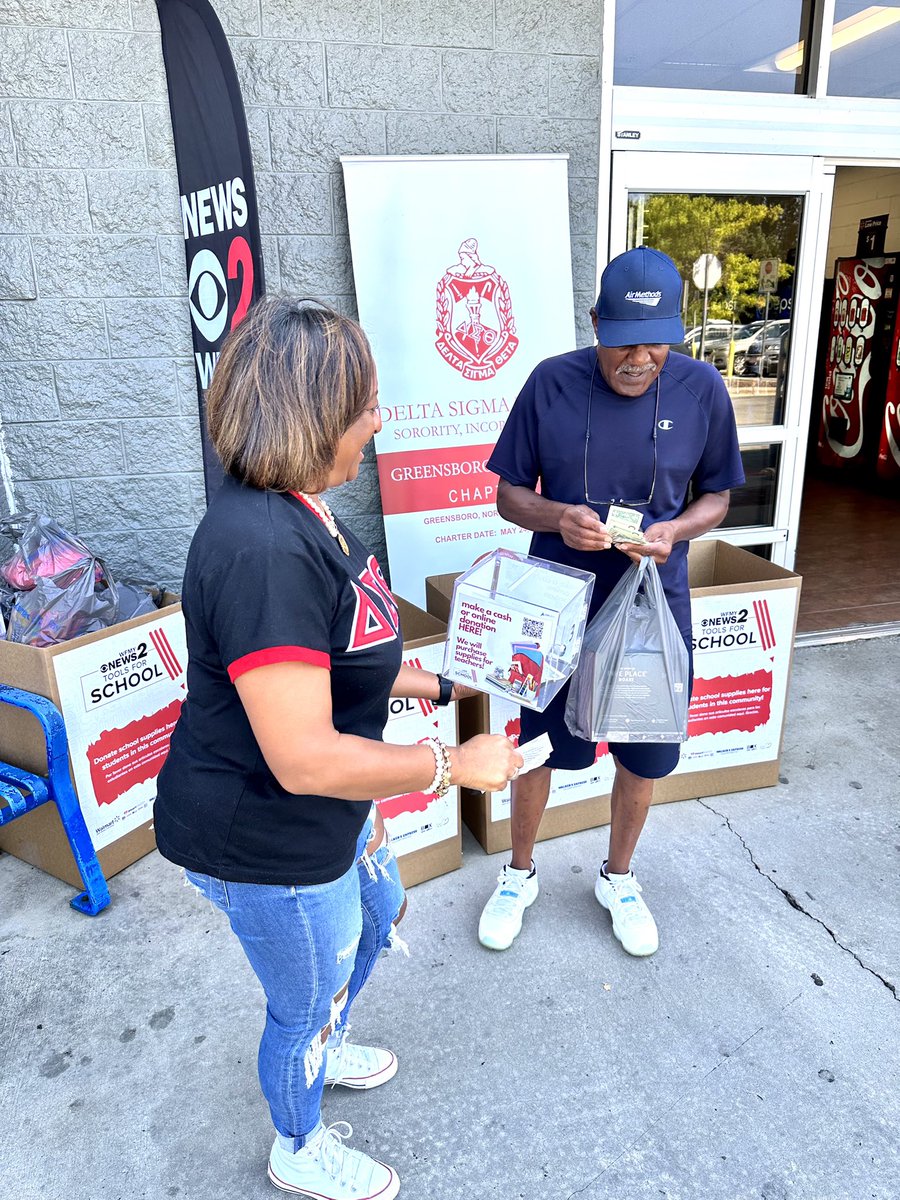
(640, 300)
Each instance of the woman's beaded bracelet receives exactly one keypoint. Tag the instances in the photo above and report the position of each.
(440, 785)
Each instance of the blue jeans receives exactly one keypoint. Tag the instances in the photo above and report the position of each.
(312, 949)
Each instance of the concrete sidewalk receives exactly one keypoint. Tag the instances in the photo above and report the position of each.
(755, 1056)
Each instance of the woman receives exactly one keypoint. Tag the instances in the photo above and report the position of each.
(294, 650)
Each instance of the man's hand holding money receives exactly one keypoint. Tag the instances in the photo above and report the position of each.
(658, 542)
(582, 529)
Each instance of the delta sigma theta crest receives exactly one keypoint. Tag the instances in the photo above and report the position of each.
(476, 331)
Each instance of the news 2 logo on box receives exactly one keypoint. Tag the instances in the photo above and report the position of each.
(130, 669)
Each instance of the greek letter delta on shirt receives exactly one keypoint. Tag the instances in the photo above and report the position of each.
(697, 451)
(267, 583)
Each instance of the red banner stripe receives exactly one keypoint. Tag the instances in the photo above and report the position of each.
(448, 477)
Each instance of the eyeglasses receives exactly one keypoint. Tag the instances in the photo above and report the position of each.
(588, 499)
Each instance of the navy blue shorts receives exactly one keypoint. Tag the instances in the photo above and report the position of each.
(647, 760)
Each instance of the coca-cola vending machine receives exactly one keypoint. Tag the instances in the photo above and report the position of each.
(887, 468)
(863, 315)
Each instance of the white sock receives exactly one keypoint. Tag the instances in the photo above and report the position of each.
(287, 1143)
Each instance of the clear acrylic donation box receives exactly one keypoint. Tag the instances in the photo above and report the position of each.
(516, 625)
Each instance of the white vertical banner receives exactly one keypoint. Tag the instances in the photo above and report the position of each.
(463, 275)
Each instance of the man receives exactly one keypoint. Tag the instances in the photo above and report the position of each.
(624, 423)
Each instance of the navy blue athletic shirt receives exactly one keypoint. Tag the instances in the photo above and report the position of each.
(697, 450)
(267, 583)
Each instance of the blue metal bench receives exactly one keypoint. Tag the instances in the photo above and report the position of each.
(22, 792)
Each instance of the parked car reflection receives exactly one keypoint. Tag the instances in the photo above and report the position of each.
(715, 329)
(745, 336)
(763, 358)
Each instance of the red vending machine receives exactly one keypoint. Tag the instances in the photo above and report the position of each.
(863, 314)
(887, 468)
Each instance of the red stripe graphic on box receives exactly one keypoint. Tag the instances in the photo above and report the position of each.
(123, 757)
(165, 652)
(764, 623)
(730, 703)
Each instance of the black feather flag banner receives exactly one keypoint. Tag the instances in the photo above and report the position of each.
(215, 178)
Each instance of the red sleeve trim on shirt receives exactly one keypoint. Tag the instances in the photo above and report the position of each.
(277, 654)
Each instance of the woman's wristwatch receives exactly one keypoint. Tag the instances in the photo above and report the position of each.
(446, 691)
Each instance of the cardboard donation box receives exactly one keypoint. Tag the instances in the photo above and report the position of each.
(744, 618)
(515, 626)
(425, 830)
(744, 614)
(120, 692)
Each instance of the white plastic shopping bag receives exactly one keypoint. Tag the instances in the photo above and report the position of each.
(632, 683)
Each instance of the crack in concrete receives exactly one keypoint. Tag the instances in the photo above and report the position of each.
(795, 903)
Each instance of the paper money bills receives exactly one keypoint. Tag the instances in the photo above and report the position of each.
(624, 525)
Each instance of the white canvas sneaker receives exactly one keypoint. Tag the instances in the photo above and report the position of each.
(632, 920)
(326, 1169)
(362, 1067)
(501, 919)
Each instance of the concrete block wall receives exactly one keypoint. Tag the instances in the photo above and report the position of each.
(97, 397)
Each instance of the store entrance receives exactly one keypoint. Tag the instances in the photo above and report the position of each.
(848, 543)
(747, 233)
(813, 371)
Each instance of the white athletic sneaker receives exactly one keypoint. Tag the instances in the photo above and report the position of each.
(326, 1169)
(351, 1066)
(501, 919)
(632, 920)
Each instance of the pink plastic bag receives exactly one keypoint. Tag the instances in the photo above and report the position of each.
(61, 589)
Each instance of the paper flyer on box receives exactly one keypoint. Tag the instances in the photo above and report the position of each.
(120, 698)
(418, 820)
(742, 656)
(494, 647)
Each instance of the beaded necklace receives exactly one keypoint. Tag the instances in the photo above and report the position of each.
(317, 505)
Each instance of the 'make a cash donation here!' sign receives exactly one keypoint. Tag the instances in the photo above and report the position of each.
(463, 277)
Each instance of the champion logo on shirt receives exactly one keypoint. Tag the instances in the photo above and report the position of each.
(651, 299)
(375, 619)
(666, 424)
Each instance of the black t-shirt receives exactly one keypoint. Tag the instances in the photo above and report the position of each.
(267, 583)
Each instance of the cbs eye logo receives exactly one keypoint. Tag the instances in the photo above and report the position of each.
(208, 289)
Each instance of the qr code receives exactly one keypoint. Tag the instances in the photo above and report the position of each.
(532, 628)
